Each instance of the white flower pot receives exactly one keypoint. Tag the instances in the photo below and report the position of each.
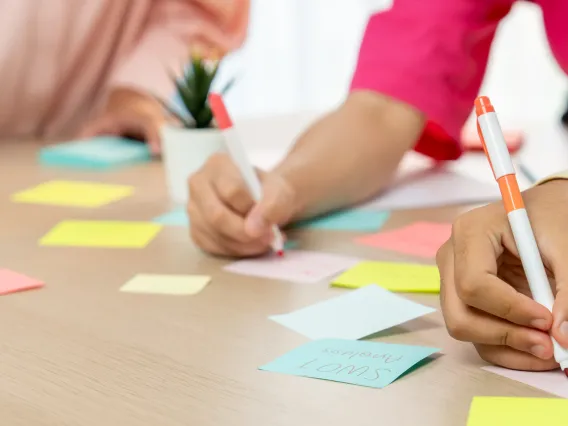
(185, 151)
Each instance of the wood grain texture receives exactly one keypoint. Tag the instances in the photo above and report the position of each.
(79, 352)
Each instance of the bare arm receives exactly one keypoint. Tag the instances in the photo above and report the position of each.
(350, 154)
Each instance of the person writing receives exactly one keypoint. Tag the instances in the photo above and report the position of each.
(94, 67)
(419, 69)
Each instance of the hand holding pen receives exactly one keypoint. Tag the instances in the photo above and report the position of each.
(227, 216)
(496, 270)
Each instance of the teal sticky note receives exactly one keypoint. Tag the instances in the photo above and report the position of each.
(348, 220)
(370, 364)
(177, 217)
(103, 152)
(290, 245)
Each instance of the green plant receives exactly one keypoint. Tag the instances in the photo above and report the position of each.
(193, 88)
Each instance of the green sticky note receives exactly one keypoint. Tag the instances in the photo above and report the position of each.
(347, 220)
(503, 411)
(369, 364)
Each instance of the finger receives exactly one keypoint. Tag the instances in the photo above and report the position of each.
(217, 245)
(275, 208)
(507, 357)
(471, 325)
(215, 214)
(232, 190)
(476, 250)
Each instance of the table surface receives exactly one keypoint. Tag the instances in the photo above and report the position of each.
(79, 352)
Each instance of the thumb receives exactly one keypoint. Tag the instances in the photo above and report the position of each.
(275, 208)
(560, 309)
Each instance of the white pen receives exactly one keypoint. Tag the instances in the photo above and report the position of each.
(237, 153)
(496, 150)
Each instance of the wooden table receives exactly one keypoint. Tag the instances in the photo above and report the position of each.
(79, 352)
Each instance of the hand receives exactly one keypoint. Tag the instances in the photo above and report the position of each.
(129, 114)
(485, 296)
(224, 218)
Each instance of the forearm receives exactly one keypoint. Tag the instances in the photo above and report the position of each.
(350, 154)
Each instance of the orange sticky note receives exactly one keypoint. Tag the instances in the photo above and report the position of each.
(421, 239)
(12, 282)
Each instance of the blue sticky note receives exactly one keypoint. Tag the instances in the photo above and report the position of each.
(348, 220)
(290, 245)
(97, 153)
(370, 364)
(177, 217)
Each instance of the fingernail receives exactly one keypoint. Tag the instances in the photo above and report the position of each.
(256, 226)
(538, 351)
(564, 328)
(540, 324)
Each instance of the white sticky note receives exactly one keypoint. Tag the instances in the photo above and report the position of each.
(554, 382)
(354, 315)
(296, 265)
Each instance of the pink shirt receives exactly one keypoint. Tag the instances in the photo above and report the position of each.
(432, 54)
(60, 58)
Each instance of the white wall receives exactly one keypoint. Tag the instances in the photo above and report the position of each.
(300, 55)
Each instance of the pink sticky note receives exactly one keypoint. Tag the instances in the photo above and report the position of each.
(12, 282)
(553, 382)
(422, 239)
(296, 265)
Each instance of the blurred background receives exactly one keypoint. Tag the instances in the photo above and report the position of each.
(300, 55)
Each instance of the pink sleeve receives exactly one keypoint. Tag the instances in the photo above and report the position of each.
(431, 55)
(173, 27)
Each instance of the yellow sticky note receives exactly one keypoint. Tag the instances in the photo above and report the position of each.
(177, 285)
(73, 193)
(400, 277)
(503, 411)
(93, 233)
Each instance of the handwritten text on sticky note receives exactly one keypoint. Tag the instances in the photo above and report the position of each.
(360, 363)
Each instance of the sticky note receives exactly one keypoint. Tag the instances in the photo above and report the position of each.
(553, 382)
(421, 239)
(369, 364)
(93, 233)
(73, 194)
(347, 220)
(13, 282)
(503, 411)
(297, 265)
(97, 153)
(353, 315)
(177, 285)
(176, 217)
(397, 277)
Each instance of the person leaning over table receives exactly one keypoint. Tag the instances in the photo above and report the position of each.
(420, 67)
(92, 67)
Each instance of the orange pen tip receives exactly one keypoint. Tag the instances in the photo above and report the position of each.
(483, 106)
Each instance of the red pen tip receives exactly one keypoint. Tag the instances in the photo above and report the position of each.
(280, 253)
(566, 372)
